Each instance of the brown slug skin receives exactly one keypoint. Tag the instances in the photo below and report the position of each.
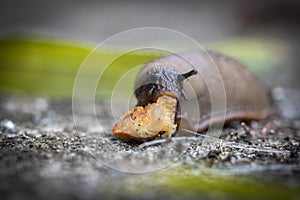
(246, 97)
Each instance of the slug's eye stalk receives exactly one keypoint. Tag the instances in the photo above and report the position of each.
(188, 74)
(181, 78)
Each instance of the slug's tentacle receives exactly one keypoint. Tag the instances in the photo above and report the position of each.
(181, 78)
(188, 74)
(184, 95)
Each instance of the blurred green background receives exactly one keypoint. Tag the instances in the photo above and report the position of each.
(48, 67)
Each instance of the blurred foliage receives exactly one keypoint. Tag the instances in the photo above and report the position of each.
(217, 186)
(257, 54)
(48, 67)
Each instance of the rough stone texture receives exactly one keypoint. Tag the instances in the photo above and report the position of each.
(43, 156)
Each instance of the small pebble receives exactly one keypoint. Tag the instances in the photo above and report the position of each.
(34, 134)
(8, 126)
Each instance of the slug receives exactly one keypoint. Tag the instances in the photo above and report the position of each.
(162, 83)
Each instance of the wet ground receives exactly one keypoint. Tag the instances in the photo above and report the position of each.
(43, 156)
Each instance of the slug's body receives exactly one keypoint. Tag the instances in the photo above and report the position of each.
(246, 97)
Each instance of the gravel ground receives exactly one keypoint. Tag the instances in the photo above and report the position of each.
(43, 156)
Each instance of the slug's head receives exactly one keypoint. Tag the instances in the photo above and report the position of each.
(159, 81)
